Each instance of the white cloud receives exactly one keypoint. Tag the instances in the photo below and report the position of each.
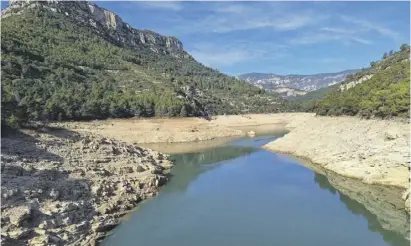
(322, 37)
(232, 8)
(170, 5)
(313, 38)
(354, 32)
(229, 17)
(292, 25)
(217, 55)
(361, 40)
(323, 60)
(363, 25)
(217, 59)
(343, 34)
(340, 30)
(285, 22)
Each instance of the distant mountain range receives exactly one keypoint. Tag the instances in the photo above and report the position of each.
(294, 84)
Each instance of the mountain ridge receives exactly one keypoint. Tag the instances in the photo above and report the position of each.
(81, 10)
(76, 61)
(295, 74)
(307, 83)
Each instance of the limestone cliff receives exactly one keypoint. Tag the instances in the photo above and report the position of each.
(353, 83)
(106, 23)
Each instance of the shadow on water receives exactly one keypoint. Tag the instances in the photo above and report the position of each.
(380, 206)
(190, 165)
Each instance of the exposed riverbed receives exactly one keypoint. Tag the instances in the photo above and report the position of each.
(236, 193)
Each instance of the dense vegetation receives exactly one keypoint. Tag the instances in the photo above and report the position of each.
(53, 68)
(304, 103)
(385, 94)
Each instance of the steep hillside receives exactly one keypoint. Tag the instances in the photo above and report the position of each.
(317, 94)
(383, 90)
(75, 60)
(300, 82)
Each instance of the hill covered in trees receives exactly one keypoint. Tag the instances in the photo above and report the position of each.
(76, 61)
(382, 90)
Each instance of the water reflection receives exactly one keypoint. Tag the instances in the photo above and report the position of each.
(190, 165)
(381, 206)
(238, 194)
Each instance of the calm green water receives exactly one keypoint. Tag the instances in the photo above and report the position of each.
(239, 194)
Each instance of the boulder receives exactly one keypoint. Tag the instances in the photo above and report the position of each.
(19, 233)
(105, 226)
(126, 169)
(54, 239)
(20, 214)
(140, 169)
(40, 240)
(54, 194)
(160, 181)
(406, 198)
(47, 224)
(390, 135)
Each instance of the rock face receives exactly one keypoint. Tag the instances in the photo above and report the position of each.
(288, 92)
(351, 84)
(374, 151)
(299, 82)
(65, 188)
(104, 21)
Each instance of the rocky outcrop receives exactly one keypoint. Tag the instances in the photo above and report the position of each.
(353, 83)
(64, 188)
(288, 92)
(106, 23)
(374, 151)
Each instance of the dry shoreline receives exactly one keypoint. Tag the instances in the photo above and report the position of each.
(138, 131)
(64, 188)
(71, 184)
(373, 151)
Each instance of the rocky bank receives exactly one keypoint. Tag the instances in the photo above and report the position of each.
(374, 151)
(59, 187)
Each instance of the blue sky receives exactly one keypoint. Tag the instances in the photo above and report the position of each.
(276, 37)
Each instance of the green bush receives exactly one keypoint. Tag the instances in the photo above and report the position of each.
(386, 94)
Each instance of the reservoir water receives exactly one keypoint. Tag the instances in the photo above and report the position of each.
(240, 194)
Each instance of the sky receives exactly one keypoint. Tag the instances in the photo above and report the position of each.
(275, 37)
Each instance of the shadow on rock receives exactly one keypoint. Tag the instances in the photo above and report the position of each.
(60, 187)
(19, 146)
